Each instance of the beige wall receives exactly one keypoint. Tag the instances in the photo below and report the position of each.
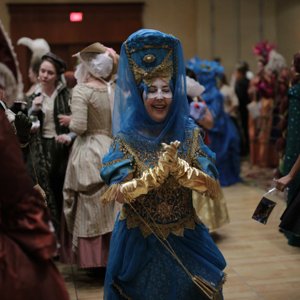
(177, 17)
(229, 30)
(288, 26)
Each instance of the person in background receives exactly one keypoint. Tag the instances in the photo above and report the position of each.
(263, 94)
(290, 220)
(198, 108)
(291, 176)
(38, 48)
(20, 123)
(241, 86)
(223, 136)
(52, 147)
(33, 74)
(70, 80)
(27, 240)
(231, 102)
(159, 248)
(88, 221)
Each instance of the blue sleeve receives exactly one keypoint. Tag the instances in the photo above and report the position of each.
(204, 159)
(116, 165)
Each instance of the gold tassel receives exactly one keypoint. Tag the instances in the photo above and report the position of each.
(214, 190)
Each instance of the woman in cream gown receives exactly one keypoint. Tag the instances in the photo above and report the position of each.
(88, 221)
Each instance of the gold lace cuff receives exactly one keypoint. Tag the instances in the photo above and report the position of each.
(150, 179)
(195, 179)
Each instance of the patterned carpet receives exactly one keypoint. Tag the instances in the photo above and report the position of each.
(256, 176)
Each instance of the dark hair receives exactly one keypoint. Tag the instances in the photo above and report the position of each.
(296, 62)
(35, 66)
(70, 79)
(190, 73)
(59, 64)
(217, 59)
(223, 79)
(242, 67)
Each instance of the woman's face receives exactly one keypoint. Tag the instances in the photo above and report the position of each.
(47, 74)
(158, 100)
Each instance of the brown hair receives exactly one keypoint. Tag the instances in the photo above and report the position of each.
(296, 64)
(59, 64)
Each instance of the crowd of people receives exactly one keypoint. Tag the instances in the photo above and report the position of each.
(120, 164)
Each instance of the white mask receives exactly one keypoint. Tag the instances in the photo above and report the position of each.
(159, 89)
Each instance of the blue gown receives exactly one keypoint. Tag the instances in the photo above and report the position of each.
(224, 138)
(139, 266)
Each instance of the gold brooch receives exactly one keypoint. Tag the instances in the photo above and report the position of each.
(149, 58)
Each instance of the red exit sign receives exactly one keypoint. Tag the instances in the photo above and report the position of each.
(76, 16)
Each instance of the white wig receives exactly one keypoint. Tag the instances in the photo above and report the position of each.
(276, 62)
(193, 87)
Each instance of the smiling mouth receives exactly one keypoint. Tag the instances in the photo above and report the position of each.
(159, 107)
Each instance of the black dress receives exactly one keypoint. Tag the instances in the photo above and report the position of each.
(290, 220)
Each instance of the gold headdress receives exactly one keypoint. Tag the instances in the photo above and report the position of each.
(150, 56)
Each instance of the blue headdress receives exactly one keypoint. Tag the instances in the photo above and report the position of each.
(206, 71)
(146, 55)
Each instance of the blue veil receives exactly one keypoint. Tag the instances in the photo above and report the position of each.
(148, 54)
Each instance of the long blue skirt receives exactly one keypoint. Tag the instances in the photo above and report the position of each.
(142, 269)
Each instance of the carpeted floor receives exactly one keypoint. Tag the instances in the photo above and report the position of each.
(256, 176)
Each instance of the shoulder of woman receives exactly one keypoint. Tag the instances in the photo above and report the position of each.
(82, 90)
(190, 125)
(294, 91)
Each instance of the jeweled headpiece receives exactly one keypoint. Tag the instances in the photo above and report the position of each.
(151, 54)
(145, 55)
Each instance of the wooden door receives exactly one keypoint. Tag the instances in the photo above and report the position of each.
(109, 24)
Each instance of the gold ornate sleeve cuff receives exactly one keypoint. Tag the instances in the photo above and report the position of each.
(110, 194)
(197, 180)
(150, 179)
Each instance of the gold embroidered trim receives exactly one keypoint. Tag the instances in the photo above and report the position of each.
(126, 149)
(162, 230)
(160, 203)
(214, 190)
(195, 143)
(164, 69)
(147, 47)
(110, 163)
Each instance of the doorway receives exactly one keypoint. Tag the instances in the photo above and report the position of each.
(109, 24)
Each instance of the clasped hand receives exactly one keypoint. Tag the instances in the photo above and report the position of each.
(152, 177)
(169, 157)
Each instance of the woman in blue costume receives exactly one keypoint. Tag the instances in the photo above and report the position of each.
(224, 137)
(159, 248)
